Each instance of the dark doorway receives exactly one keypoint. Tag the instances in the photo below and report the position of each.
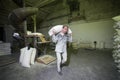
(2, 38)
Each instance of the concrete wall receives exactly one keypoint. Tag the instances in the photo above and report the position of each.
(8, 33)
(86, 33)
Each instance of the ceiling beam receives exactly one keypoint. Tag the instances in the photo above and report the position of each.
(43, 3)
(44, 10)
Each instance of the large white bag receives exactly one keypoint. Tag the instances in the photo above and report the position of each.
(26, 58)
(57, 29)
(22, 52)
(33, 56)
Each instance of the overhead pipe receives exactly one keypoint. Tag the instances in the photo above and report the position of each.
(17, 16)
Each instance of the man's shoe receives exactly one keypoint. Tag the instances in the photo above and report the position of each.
(60, 73)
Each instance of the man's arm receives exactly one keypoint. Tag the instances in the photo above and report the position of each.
(69, 37)
(54, 38)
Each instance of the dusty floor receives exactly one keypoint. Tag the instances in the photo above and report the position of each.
(84, 65)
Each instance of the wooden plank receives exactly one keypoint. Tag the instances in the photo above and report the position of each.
(46, 59)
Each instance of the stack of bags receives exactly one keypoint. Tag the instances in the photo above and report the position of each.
(116, 43)
(5, 48)
(27, 56)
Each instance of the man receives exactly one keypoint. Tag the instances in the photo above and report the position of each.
(61, 39)
(17, 42)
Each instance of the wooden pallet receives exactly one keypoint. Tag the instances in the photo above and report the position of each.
(46, 59)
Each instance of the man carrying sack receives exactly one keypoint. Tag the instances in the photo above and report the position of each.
(60, 35)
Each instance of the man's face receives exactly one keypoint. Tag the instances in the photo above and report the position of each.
(65, 30)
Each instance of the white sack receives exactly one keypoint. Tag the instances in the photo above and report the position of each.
(33, 56)
(26, 58)
(57, 29)
(22, 52)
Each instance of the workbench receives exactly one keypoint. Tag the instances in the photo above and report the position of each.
(38, 41)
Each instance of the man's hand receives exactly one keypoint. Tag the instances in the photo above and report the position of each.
(54, 32)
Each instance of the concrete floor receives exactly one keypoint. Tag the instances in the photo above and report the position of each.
(84, 65)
